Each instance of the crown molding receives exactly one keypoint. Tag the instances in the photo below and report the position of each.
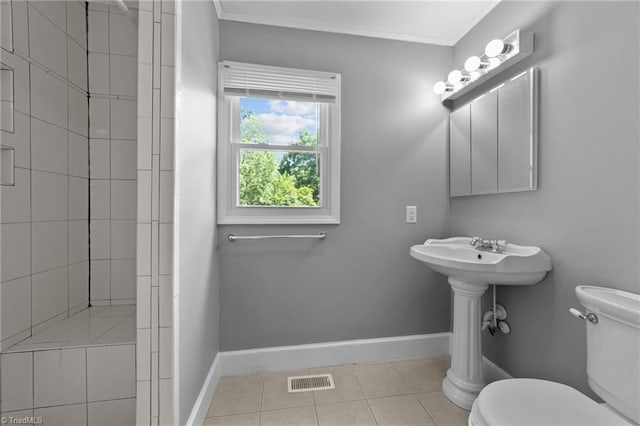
(313, 26)
(218, 7)
(330, 28)
(475, 21)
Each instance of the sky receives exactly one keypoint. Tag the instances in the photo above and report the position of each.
(283, 120)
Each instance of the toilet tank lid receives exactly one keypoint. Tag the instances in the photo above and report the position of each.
(618, 304)
(540, 402)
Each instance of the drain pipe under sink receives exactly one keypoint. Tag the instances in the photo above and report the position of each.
(494, 319)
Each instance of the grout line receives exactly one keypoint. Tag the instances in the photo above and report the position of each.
(86, 382)
(363, 394)
(315, 411)
(46, 220)
(122, 54)
(110, 201)
(108, 34)
(30, 137)
(31, 61)
(88, 141)
(55, 124)
(64, 30)
(401, 376)
(373, 416)
(425, 409)
(112, 96)
(74, 403)
(262, 395)
(33, 380)
(66, 51)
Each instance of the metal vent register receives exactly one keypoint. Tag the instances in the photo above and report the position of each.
(310, 383)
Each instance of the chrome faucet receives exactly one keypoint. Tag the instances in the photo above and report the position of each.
(483, 244)
(475, 240)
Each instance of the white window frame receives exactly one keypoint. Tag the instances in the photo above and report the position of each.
(229, 212)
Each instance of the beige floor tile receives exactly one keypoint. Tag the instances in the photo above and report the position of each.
(399, 410)
(346, 384)
(377, 380)
(443, 411)
(353, 413)
(422, 375)
(275, 393)
(237, 394)
(443, 362)
(299, 416)
(248, 419)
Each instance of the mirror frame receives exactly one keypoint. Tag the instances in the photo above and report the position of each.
(533, 101)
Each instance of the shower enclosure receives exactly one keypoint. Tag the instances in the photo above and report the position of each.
(68, 212)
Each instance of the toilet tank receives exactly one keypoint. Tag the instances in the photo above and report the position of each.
(613, 347)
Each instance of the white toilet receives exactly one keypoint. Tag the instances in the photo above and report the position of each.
(613, 370)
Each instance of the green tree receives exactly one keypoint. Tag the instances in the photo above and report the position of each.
(286, 193)
(303, 166)
(251, 128)
(261, 181)
(261, 184)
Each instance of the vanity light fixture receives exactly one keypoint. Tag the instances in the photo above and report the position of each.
(499, 54)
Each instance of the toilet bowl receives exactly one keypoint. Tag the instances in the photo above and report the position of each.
(533, 402)
(613, 371)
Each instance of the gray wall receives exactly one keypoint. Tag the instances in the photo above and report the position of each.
(585, 213)
(197, 274)
(360, 282)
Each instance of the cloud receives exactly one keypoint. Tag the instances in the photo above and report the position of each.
(292, 107)
(284, 128)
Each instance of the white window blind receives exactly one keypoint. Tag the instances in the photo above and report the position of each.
(240, 79)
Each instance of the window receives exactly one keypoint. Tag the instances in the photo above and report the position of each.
(279, 145)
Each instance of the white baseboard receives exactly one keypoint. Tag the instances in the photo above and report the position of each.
(332, 353)
(491, 372)
(235, 363)
(200, 407)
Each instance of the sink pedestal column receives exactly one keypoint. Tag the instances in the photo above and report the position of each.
(464, 378)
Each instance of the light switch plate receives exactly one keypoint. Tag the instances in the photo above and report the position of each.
(412, 214)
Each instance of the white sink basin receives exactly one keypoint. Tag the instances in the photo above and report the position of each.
(470, 273)
(456, 258)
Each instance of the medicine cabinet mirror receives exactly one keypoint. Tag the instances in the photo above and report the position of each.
(493, 144)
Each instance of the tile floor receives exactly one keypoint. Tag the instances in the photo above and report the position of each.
(406, 392)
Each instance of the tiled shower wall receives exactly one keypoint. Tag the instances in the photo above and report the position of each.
(156, 117)
(44, 231)
(113, 67)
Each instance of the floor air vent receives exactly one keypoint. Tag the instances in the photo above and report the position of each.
(310, 383)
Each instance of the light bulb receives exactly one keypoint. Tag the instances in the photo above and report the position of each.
(474, 63)
(493, 62)
(440, 87)
(473, 76)
(456, 77)
(496, 47)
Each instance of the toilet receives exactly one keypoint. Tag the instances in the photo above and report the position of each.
(613, 370)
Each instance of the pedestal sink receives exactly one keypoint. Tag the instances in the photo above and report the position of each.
(470, 273)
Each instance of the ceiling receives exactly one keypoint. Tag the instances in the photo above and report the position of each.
(423, 21)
